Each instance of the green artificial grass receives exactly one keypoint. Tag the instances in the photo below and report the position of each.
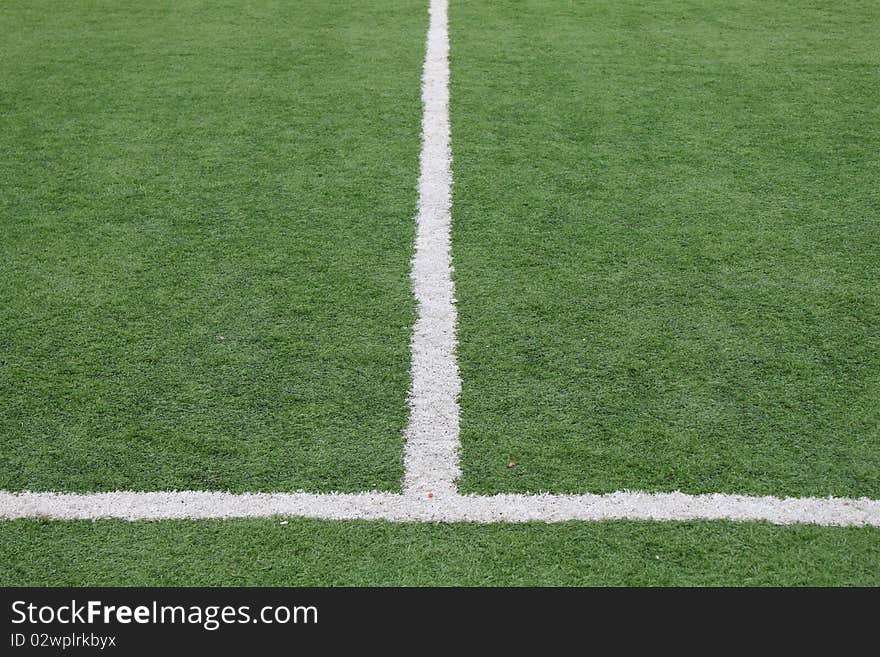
(666, 233)
(207, 218)
(320, 553)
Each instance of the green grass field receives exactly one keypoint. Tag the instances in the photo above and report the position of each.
(321, 553)
(666, 239)
(207, 220)
(667, 245)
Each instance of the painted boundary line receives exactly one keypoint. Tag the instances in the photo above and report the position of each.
(459, 508)
(432, 436)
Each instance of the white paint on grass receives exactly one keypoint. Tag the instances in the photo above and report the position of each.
(457, 508)
(432, 437)
(431, 451)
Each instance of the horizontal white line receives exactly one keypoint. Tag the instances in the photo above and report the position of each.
(624, 505)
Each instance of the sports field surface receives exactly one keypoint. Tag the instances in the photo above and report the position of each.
(408, 292)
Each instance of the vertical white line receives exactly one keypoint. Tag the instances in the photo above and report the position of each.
(432, 440)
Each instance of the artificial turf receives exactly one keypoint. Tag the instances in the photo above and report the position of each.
(320, 553)
(207, 218)
(665, 239)
(666, 234)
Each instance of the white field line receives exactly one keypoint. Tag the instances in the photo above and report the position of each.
(431, 451)
(431, 454)
(458, 508)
